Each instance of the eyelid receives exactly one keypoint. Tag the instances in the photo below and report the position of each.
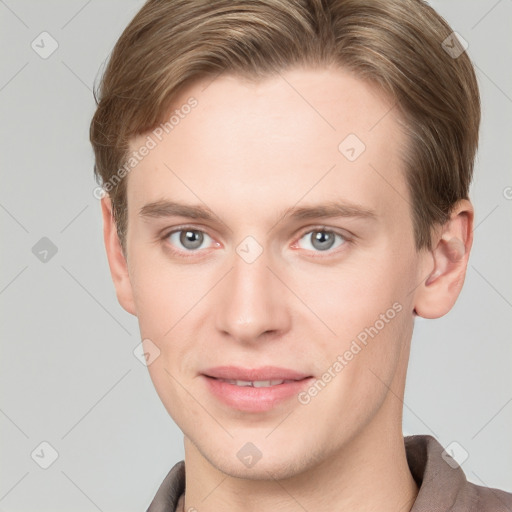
(347, 236)
(321, 227)
(165, 234)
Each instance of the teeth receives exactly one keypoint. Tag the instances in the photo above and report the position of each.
(255, 383)
(266, 383)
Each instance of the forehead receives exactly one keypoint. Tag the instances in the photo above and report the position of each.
(320, 133)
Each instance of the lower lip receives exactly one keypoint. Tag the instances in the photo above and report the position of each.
(251, 399)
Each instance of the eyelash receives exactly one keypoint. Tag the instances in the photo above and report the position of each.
(184, 254)
(347, 239)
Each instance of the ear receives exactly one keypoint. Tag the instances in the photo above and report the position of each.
(116, 258)
(446, 263)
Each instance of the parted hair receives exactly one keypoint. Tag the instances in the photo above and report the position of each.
(402, 46)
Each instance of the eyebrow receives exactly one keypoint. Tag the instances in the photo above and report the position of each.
(163, 208)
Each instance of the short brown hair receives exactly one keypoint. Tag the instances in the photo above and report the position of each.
(396, 44)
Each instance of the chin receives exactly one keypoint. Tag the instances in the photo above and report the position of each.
(275, 466)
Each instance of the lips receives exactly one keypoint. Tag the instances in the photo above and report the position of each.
(254, 389)
(256, 383)
(264, 373)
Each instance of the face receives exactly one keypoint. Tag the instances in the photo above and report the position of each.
(270, 239)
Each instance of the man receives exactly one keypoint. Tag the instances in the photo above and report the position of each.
(286, 190)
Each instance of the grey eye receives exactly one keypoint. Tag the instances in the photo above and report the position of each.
(322, 240)
(189, 239)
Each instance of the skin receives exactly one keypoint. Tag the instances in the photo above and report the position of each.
(248, 151)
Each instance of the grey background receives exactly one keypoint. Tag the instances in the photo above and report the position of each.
(67, 369)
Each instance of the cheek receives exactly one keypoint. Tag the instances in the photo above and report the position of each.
(162, 292)
(365, 309)
(172, 310)
(361, 365)
(353, 295)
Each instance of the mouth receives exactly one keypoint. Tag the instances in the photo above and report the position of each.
(254, 390)
(256, 383)
(261, 374)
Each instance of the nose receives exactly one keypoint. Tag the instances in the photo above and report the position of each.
(252, 303)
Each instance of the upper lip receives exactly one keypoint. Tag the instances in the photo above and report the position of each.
(254, 374)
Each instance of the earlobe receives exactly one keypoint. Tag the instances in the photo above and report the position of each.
(450, 254)
(116, 258)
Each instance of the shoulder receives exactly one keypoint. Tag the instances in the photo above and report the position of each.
(442, 483)
(170, 490)
(484, 499)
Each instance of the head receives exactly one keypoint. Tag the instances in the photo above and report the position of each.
(316, 157)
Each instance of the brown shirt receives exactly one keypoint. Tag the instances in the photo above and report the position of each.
(442, 487)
